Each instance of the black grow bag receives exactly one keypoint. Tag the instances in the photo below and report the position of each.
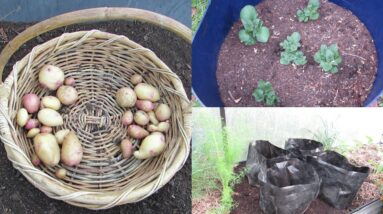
(340, 179)
(259, 156)
(303, 147)
(288, 187)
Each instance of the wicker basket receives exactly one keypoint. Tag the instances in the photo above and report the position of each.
(101, 63)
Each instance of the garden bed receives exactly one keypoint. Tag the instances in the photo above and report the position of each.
(240, 67)
(17, 195)
(247, 198)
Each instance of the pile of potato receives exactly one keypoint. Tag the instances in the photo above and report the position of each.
(149, 122)
(46, 144)
(40, 115)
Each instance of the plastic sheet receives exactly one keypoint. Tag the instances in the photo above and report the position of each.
(303, 147)
(340, 179)
(259, 156)
(288, 187)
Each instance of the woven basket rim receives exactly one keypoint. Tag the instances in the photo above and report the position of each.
(57, 190)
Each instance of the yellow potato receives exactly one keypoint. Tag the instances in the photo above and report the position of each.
(49, 117)
(71, 150)
(47, 149)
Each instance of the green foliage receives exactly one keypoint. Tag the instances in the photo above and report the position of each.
(213, 160)
(253, 27)
(328, 58)
(200, 7)
(310, 12)
(265, 93)
(291, 51)
(327, 135)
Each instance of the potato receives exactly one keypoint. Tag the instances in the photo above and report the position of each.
(47, 149)
(71, 150)
(60, 135)
(125, 97)
(153, 118)
(135, 79)
(46, 129)
(126, 148)
(31, 102)
(151, 146)
(163, 112)
(50, 117)
(67, 95)
(33, 132)
(22, 117)
(137, 132)
(147, 92)
(51, 77)
(141, 118)
(51, 102)
(145, 105)
(60, 173)
(35, 160)
(31, 123)
(127, 118)
(69, 81)
(161, 127)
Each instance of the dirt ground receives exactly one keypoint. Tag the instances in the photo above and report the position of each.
(17, 195)
(240, 67)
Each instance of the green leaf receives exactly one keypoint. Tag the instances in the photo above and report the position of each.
(326, 66)
(296, 37)
(258, 95)
(300, 59)
(329, 55)
(314, 16)
(248, 12)
(245, 38)
(263, 34)
(315, 3)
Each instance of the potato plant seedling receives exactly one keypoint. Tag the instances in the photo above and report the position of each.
(265, 93)
(254, 30)
(328, 58)
(291, 53)
(310, 12)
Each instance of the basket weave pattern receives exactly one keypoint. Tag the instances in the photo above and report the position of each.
(101, 63)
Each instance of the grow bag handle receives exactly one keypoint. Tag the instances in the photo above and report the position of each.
(91, 15)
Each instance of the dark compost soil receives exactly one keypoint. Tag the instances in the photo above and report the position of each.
(247, 199)
(17, 195)
(240, 67)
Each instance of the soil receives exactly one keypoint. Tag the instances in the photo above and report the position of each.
(247, 199)
(240, 67)
(17, 195)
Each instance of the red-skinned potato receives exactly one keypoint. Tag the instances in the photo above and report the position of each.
(127, 118)
(141, 118)
(161, 127)
(50, 117)
(46, 129)
(31, 123)
(135, 79)
(51, 77)
(31, 102)
(126, 148)
(69, 81)
(60, 173)
(67, 95)
(51, 102)
(163, 112)
(60, 135)
(33, 132)
(35, 160)
(137, 132)
(151, 146)
(125, 97)
(145, 105)
(47, 149)
(147, 92)
(71, 150)
(22, 117)
(153, 118)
